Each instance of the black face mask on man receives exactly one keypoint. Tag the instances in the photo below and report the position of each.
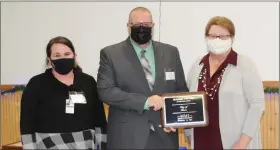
(141, 34)
(64, 65)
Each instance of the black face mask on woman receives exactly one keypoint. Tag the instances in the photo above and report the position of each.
(64, 65)
(141, 34)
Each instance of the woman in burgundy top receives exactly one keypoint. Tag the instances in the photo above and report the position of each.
(219, 34)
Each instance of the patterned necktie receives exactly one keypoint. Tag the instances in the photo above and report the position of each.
(147, 69)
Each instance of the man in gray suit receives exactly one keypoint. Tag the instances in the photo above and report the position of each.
(132, 76)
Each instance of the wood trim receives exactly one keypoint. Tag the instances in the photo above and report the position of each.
(14, 146)
(6, 86)
(271, 84)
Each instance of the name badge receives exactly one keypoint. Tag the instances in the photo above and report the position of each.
(169, 74)
(69, 107)
(77, 97)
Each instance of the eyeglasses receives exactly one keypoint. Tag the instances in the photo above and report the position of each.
(145, 24)
(222, 37)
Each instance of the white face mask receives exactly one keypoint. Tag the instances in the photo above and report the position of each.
(218, 46)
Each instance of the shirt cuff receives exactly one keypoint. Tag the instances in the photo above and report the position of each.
(146, 106)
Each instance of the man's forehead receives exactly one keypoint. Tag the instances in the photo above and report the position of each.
(141, 16)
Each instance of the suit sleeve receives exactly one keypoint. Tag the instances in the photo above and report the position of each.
(112, 95)
(28, 113)
(181, 85)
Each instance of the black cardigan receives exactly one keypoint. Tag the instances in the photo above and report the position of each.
(43, 105)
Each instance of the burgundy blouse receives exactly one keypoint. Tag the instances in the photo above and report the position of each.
(209, 137)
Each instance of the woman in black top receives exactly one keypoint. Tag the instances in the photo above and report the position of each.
(60, 108)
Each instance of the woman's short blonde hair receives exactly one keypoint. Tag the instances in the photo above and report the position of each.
(220, 21)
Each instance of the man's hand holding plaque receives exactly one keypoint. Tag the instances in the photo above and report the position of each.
(156, 103)
(168, 129)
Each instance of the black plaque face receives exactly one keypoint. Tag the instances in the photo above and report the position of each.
(183, 110)
(186, 110)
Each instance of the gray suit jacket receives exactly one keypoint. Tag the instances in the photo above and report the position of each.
(122, 85)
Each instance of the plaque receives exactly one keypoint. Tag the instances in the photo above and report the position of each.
(184, 110)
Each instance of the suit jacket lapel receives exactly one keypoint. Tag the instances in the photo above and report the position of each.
(159, 55)
(132, 57)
